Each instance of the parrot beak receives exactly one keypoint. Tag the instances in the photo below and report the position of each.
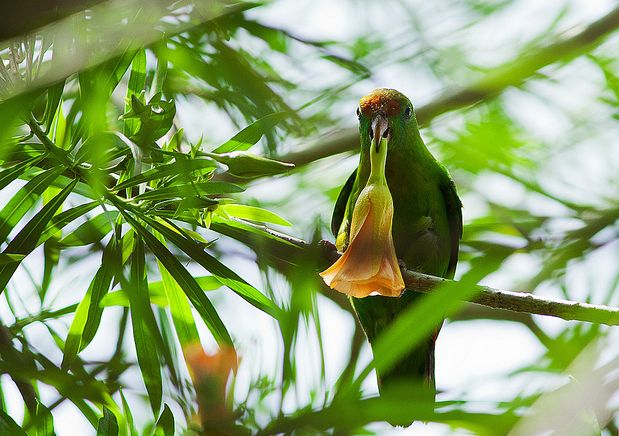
(380, 129)
(369, 264)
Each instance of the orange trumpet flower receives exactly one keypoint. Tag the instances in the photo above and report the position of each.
(369, 263)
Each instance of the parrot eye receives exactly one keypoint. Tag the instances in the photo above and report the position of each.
(408, 112)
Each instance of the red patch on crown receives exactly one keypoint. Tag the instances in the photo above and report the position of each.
(386, 101)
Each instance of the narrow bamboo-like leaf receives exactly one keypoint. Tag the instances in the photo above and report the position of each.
(59, 129)
(184, 324)
(165, 423)
(137, 83)
(157, 292)
(88, 314)
(128, 415)
(145, 331)
(161, 73)
(344, 417)
(224, 274)
(51, 257)
(419, 319)
(93, 230)
(117, 68)
(249, 166)
(8, 426)
(10, 258)
(68, 385)
(24, 199)
(26, 240)
(12, 173)
(190, 190)
(51, 251)
(44, 420)
(108, 425)
(127, 245)
(253, 213)
(186, 281)
(169, 349)
(239, 230)
(251, 134)
(183, 166)
(58, 222)
(54, 94)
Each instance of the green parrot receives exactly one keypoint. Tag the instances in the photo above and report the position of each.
(427, 218)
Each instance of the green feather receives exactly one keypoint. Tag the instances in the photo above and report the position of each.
(427, 223)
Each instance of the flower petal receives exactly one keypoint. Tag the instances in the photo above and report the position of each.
(369, 263)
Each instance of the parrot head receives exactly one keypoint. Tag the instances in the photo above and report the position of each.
(384, 114)
(369, 264)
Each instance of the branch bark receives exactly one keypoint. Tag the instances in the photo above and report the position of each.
(522, 302)
(528, 63)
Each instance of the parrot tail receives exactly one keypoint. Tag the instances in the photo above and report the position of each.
(414, 373)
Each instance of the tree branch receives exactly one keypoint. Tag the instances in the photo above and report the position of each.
(523, 302)
(530, 61)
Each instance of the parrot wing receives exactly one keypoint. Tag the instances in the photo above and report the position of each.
(453, 207)
(340, 204)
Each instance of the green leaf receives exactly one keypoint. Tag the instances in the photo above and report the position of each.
(251, 134)
(99, 150)
(8, 426)
(44, 420)
(114, 69)
(146, 336)
(248, 166)
(157, 292)
(162, 71)
(54, 94)
(224, 274)
(185, 280)
(154, 119)
(58, 222)
(108, 425)
(93, 230)
(26, 240)
(184, 324)
(239, 230)
(252, 213)
(11, 258)
(137, 83)
(24, 199)
(169, 349)
(181, 167)
(421, 318)
(165, 423)
(344, 417)
(190, 190)
(12, 173)
(88, 314)
(128, 415)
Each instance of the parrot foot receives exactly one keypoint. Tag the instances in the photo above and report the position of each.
(402, 264)
(328, 249)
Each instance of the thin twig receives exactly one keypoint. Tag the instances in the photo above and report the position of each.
(295, 249)
(523, 302)
(514, 73)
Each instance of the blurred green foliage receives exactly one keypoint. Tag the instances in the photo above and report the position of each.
(118, 215)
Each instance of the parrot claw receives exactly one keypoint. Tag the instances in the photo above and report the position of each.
(328, 249)
(327, 245)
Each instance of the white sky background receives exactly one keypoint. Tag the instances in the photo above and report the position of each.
(472, 358)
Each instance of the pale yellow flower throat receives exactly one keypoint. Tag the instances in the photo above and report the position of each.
(378, 161)
(369, 264)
